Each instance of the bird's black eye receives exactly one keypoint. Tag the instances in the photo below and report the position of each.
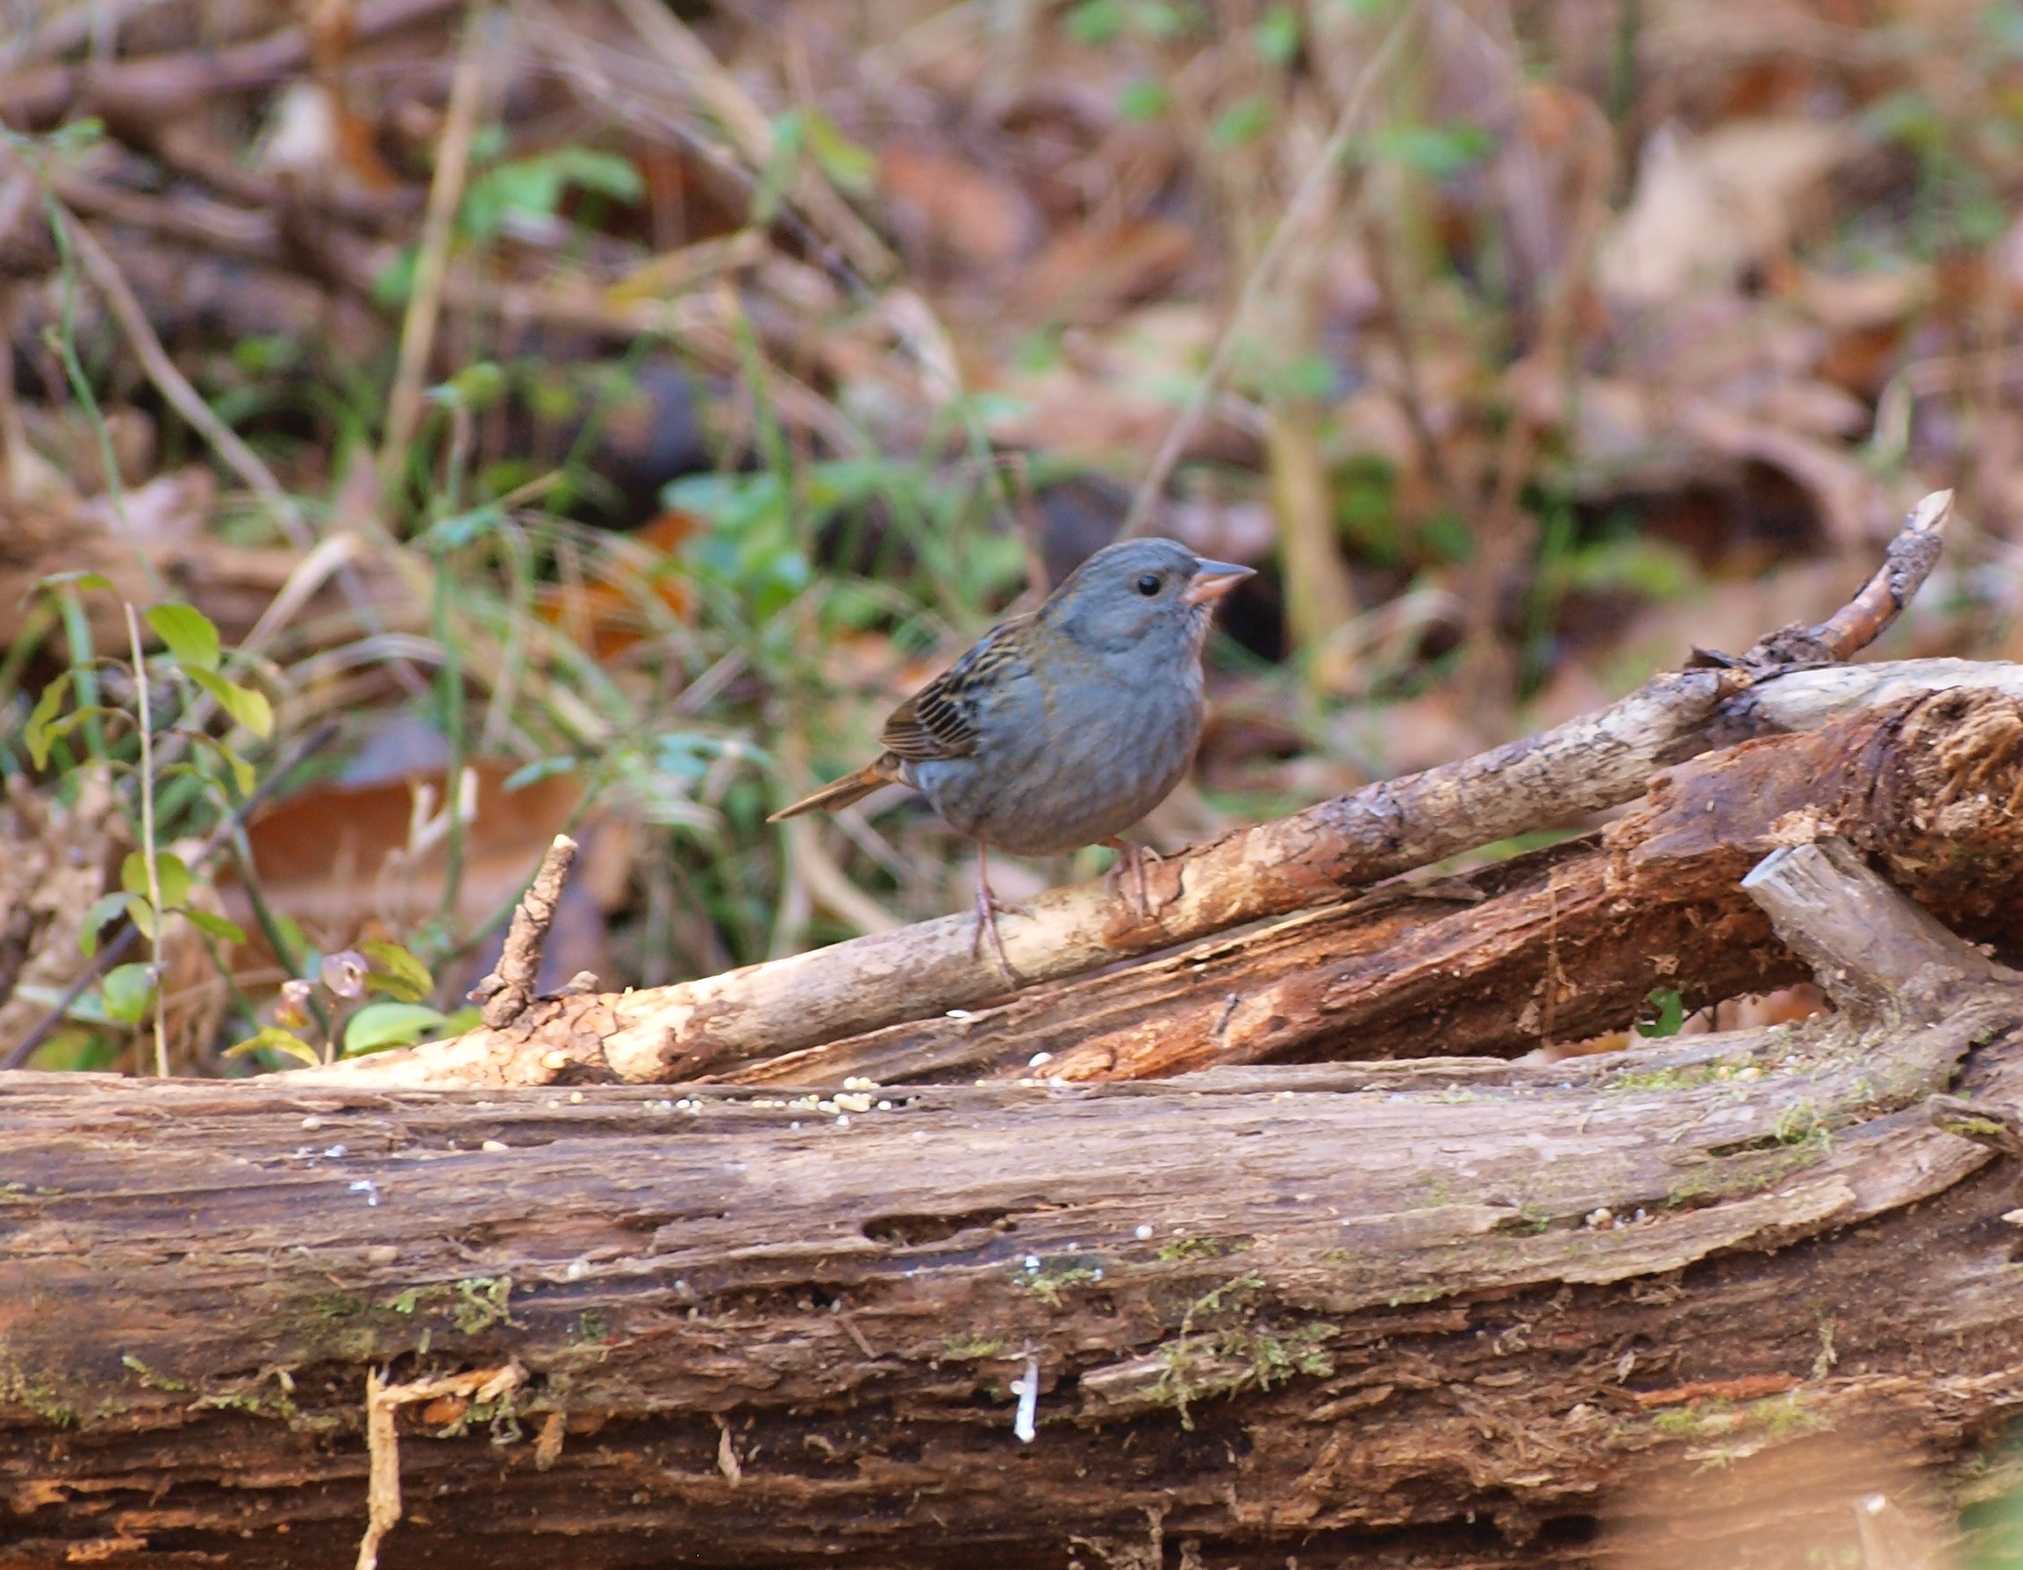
(1148, 584)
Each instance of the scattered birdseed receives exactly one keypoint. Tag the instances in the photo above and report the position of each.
(575, 1098)
(1144, 1233)
(312, 1122)
(335, 1151)
(1038, 1058)
(842, 1120)
(493, 1144)
(369, 1189)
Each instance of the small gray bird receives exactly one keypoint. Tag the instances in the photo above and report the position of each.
(1063, 727)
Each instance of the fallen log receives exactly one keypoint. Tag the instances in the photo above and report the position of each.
(1556, 945)
(1315, 857)
(1437, 1313)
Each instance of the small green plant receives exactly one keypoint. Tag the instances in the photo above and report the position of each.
(153, 739)
(363, 1000)
(1049, 1284)
(969, 1349)
(1193, 1248)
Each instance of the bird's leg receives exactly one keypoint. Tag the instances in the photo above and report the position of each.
(1130, 862)
(987, 907)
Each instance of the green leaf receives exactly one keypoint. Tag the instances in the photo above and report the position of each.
(246, 706)
(399, 974)
(534, 186)
(76, 578)
(189, 634)
(1243, 121)
(394, 282)
(478, 385)
(1160, 19)
(96, 915)
(1277, 35)
(142, 915)
(64, 724)
(36, 732)
(243, 776)
(217, 926)
(77, 135)
(1144, 100)
(170, 872)
(845, 162)
(378, 1026)
(1096, 21)
(540, 769)
(293, 939)
(127, 991)
(1671, 1009)
(174, 878)
(1439, 152)
(272, 1038)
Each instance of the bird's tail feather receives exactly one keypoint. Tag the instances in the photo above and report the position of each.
(840, 793)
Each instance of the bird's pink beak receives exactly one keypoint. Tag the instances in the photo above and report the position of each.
(1213, 579)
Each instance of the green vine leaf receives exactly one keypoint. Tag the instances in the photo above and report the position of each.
(188, 633)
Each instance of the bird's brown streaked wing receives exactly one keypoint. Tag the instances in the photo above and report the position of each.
(939, 721)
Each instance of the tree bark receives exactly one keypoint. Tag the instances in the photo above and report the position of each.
(1439, 1313)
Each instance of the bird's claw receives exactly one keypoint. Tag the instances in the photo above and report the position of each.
(1130, 862)
(988, 906)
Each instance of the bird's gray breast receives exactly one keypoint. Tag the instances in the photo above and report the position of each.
(1068, 762)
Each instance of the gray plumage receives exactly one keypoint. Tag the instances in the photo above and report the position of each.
(1066, 726)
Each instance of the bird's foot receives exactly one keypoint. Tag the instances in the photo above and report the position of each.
(988, 907)
(1130, 863)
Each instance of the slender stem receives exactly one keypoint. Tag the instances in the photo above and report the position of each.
(147, 835)
(451, 677)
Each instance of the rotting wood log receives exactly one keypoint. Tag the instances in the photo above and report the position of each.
(1555, 945)
(1437, 1313)
(1583, 933)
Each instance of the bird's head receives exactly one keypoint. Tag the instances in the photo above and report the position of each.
(1138, 592)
